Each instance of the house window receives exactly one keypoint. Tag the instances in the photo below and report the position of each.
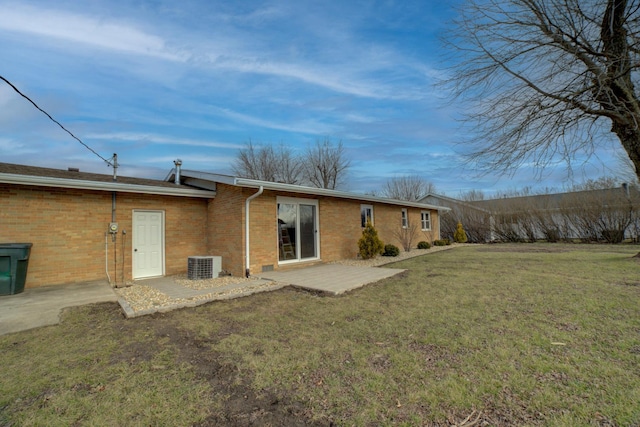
(405, 219)
(425, 219)
(366, 214)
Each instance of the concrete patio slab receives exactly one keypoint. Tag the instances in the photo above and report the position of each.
(38, 307)
(42, 306)
(333, 279)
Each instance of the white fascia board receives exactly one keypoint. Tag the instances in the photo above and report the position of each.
(252, 183)
(42, 181)
(298, 189)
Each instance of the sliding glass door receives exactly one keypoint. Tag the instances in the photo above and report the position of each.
(297, 229)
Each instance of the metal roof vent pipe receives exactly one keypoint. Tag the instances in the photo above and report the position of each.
(178, 164)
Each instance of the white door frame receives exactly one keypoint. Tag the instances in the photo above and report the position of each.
(301, 201)
(135, 274)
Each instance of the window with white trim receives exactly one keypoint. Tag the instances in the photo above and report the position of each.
(405, 218)
(366, 214)
(425, 220)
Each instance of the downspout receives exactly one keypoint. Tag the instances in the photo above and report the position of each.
(113, 219)
(246, 229)
(106, 255)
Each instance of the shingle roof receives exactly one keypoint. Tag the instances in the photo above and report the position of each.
(82, 176)
(47, 177)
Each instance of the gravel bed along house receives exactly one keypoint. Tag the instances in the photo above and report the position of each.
(139, 299)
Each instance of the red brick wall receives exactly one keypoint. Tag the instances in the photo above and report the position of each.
(67, 228)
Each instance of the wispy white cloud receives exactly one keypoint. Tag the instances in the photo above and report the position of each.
(83, 29)
(307, 126)
(333, 79)
(229, 54)
(159, 139)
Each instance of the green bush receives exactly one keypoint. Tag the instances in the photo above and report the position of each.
(370, 244)
(441, 242)
(460, 236)
(391, 250)
(424, 245)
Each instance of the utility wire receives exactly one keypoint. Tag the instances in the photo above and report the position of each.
(55, 121)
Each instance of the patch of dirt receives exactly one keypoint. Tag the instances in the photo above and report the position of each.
(241, 404)
(380, 362)
(433, 354)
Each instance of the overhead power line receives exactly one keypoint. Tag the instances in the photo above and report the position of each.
(55, 121)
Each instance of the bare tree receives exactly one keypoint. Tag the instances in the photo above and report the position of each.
(471, 195)
(267, 163)
(601, 183)
(409, 187)
(325, 164)
(477, 222)
(406, 234)
(545, 78)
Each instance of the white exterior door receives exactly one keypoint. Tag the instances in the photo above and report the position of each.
(148, 244)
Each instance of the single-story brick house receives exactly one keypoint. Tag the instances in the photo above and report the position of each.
(252, 225)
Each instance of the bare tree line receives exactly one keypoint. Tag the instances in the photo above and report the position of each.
(592, 215)
(322, 165)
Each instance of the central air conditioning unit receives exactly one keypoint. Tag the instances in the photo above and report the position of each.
(203, 267)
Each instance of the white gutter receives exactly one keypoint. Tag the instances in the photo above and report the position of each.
(293, 188)
(246, 225)
(42, 181)
(299, 189)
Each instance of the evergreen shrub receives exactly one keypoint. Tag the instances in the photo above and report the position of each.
(460, 236)
(370, 244)
(424, 245)
(391, 250)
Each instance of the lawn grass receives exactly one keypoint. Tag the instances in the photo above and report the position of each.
(531, 334)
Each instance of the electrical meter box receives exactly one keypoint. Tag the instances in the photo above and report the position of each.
(113, 227)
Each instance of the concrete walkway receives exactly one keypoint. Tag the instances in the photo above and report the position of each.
(42, 306)
(332, 279)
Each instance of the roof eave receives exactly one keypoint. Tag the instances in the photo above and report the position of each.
(102, 186)
(298, 189)
(292, 188)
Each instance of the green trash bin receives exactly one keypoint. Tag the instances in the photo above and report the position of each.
(14, 261)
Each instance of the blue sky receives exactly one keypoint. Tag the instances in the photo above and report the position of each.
(157, 80)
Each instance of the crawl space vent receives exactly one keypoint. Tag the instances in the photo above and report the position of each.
(200, 267)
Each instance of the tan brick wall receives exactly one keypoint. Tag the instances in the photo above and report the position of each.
(264, 232)
(388, 222)
(226, 228)
(339, 225)
(67, 228)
